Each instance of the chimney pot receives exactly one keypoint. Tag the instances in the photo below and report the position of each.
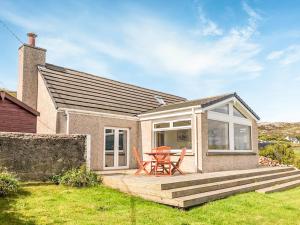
(31, 39)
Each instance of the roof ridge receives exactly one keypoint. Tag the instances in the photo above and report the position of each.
(52, 66)
(199, 99)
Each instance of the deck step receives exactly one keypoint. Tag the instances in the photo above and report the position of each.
(196, 189)
(219, 178)
(197, 199)
(280, 187)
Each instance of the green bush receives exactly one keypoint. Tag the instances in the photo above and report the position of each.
(80, 177)
(297, 163)
(56, 178)
(8, 183)
(281, 152)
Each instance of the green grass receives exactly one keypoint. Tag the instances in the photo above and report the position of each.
(50, 204)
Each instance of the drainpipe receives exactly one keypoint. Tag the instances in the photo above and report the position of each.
(195, 138)
(68, 120)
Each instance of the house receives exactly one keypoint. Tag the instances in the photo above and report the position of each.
(15, 116)
(220, 132)
(294, 140)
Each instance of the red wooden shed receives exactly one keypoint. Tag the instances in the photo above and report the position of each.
(16, 116)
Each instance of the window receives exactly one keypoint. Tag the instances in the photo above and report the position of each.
(176, 139)
(116, 144)
(182, 123)
(218, 135)
(242, 137)
(237, 113)
(160, 100)
(230, 132)
(176, 134)
(110, 139)
(122, 140)
(222, 109)
(161, 125)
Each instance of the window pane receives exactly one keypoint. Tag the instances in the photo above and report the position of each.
(182, 123)
(222, 109)
(162, 125)
(109, 147)
(218, 135)
(237, 113)
(242, 137)
(122, 148)
(109, 139)
(176, 139)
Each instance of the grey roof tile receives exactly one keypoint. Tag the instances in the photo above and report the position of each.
(78, 90)
(203, 102)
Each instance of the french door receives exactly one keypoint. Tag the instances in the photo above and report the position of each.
(116, 148)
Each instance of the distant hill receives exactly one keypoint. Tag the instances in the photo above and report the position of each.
(13, 93)
(278, 130)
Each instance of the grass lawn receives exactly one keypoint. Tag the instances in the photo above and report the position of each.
(50, 204)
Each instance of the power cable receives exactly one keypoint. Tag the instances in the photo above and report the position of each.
(11, 32)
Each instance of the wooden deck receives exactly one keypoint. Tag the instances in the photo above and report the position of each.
(194, 189)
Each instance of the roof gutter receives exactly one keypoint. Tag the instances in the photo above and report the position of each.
(85, 112)
(170, 113)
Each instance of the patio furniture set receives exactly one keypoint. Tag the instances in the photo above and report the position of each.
(160, 163)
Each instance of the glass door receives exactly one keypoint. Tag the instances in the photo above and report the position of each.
(116, 146)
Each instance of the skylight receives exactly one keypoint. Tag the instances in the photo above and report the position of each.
(160, 100)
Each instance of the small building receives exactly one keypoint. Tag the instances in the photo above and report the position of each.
(16, 116)
(294, 140)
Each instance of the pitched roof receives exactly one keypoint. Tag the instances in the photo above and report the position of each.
(5, 95)
(78, 90)
(203, 102)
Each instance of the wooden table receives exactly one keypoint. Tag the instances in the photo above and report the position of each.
(161, 156)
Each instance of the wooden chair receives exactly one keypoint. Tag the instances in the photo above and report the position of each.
(141, 164)
(176, 165)
(163, 164)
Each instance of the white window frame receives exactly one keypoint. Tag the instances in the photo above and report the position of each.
(172, 128)
(231, 120)
(116, 146)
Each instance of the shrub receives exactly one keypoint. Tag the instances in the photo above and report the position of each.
(8, 183)
(297, 163)
(56, 178)
(80, 177)
(281, 152)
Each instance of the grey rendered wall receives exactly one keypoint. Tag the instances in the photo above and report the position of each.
(94, 125)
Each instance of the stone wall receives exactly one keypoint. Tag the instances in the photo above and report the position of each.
(38, 156)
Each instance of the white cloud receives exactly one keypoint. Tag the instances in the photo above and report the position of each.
(275, 55)
(207, 26)
(157, 45)
(160, 46)
(59, 48)
(30, 22)
(286, 56)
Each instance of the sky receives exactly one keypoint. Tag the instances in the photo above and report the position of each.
(190, 48)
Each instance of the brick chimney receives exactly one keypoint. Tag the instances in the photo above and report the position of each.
(31, 39)
(30, 57)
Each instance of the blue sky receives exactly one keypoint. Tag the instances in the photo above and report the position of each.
(189, 48)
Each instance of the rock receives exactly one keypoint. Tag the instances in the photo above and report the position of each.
(264, 161)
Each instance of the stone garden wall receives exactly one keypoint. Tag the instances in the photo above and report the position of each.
(37, 157)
